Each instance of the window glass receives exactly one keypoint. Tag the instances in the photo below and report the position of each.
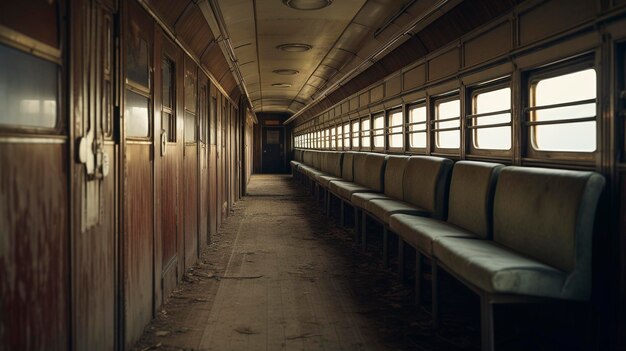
(190, 127)
(191, 92)
(417, 126)
(450, 111)
(137, 115)
(332, 137)
(28, 90)
(379, 131)
(395, 124)
(571, 125)
(365, 132)
(492, 108)
(326, 138)
(355, 134)
(346, 135)
(168, 120)
(137, 59)
(340, 136)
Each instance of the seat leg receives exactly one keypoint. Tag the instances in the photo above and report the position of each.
(357, 225)
(342, 217)
(486, 324)
(385, 246)
(401, 270)
(435, 293)
(418, 278)
(363, 231)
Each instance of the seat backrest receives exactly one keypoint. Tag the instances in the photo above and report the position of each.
(317, 160)
(347, 166)
(394, 173)
(307, 158)
(332, 165)
(472, 188)
(369, 170)
(426, 182)
(298, 155)
(548, 215)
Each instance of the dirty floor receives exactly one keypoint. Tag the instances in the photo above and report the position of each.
(282, 276)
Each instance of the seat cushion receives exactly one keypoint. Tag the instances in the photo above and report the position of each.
(325, 180)
(383, 208)
(420, 232)
(497, 269)
(360, 199)
(345, 189)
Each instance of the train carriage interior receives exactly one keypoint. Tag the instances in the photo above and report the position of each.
(313, 175)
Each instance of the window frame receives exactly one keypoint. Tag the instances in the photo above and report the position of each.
(470, 129)
(389, 127)
(434, 102)
(355, 134)
(408, 124)
(365, 134)
(530, 79)
(382, 130)
(347, 140)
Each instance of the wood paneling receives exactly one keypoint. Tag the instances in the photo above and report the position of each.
(550, 18)
(34, 227)
(489, 45)
(138, 241)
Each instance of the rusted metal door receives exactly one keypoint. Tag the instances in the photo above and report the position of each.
(137, 176)
(35, 149)
(168, 165)
(94, 258)
(190, 163)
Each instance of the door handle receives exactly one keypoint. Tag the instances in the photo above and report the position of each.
(163, 142)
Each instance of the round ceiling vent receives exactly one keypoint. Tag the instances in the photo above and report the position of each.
(307, 5)
(281, 85)
(286, 72)
(293, 47)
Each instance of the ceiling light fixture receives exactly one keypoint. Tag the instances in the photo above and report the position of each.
(281, 85)
(286, 72)
(307, 5)
(293, 47)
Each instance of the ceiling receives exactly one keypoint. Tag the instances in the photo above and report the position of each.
(341, 36)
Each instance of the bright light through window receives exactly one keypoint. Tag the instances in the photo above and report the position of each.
(417, 126)
(346, 135)
(564, 128)
(493, 138)
(355, 134)
(395, 129)
(365, 134)
(379, 131)
(448, 139)
(339, 137)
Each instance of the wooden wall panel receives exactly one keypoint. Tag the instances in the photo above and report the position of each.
(489, 45)
(444, 65)
(34, 233)
(550, 18)
(415, 77)
(393, 86)
(138, 241)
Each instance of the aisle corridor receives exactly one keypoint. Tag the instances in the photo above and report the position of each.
(280, 275)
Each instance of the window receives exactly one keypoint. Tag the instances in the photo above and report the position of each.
(355, 134)
(447, 123)
(490, 121)
(340, 136)
(379, 131)
(417, 126)
(332, 137)
(191, 105)
(562, 112)
(346, 136)
(213, 122)
(326, 139)
(28, 90)
(137, 115)
(137, 58)
(168, 120)
(365, 132)
(394, 131)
